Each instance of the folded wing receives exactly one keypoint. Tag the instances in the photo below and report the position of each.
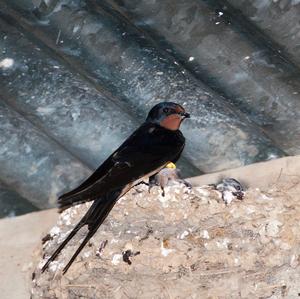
(142, 153)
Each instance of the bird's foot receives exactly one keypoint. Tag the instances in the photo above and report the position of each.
(163, 191)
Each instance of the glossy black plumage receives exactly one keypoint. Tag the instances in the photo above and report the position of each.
(147, 149)
(144, 153)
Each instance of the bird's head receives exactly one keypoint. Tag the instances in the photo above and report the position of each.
(168, 115)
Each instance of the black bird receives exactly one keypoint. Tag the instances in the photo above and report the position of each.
(155, 143)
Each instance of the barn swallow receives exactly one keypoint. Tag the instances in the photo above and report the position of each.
(155, 143)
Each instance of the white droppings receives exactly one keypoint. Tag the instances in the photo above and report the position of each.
(202, 191)
(62, 236)
(45, 110)
(76, 28)
(164, 251)
(87, 254)
(27, 149)
(294, 261)
(55, 265)
(272, 157)
(66, 218)
(237, 261)
(247, 57)
(116, 259)
(217, 23)
(75, 115)
(6, 63)
(184, 234)
(159, 73)
(191, 58)
(223, 244)
(220, 13)
(54, 231)
(204, 234)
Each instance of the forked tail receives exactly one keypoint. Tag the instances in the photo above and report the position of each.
(93, 218)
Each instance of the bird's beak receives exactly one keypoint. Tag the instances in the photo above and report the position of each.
(185, 115)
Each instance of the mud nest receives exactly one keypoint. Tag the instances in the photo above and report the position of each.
(188, 244)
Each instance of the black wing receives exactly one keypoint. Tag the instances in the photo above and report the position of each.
(147, 149)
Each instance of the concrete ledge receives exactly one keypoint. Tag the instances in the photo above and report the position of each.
(20, 237)
(259, 175)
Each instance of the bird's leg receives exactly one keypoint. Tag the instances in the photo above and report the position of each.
(152, 181)
(163, 191)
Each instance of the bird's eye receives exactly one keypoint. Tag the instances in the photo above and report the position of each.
(166, 110)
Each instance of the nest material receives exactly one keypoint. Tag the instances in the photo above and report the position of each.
(188, 244)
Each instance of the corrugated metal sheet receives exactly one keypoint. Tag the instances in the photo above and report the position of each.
(78, 76)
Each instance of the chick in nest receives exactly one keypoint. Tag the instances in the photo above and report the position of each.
(166, 175)
(230, 189)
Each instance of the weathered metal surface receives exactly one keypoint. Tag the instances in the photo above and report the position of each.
(278, 19)
(12, 204)
(36, 167)
(215, 47)
(85, 121)
(119, 56)
(69, 109)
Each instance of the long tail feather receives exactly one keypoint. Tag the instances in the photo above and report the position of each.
(94, 217)
(63, 244)
(93, 227)
(86, 239)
